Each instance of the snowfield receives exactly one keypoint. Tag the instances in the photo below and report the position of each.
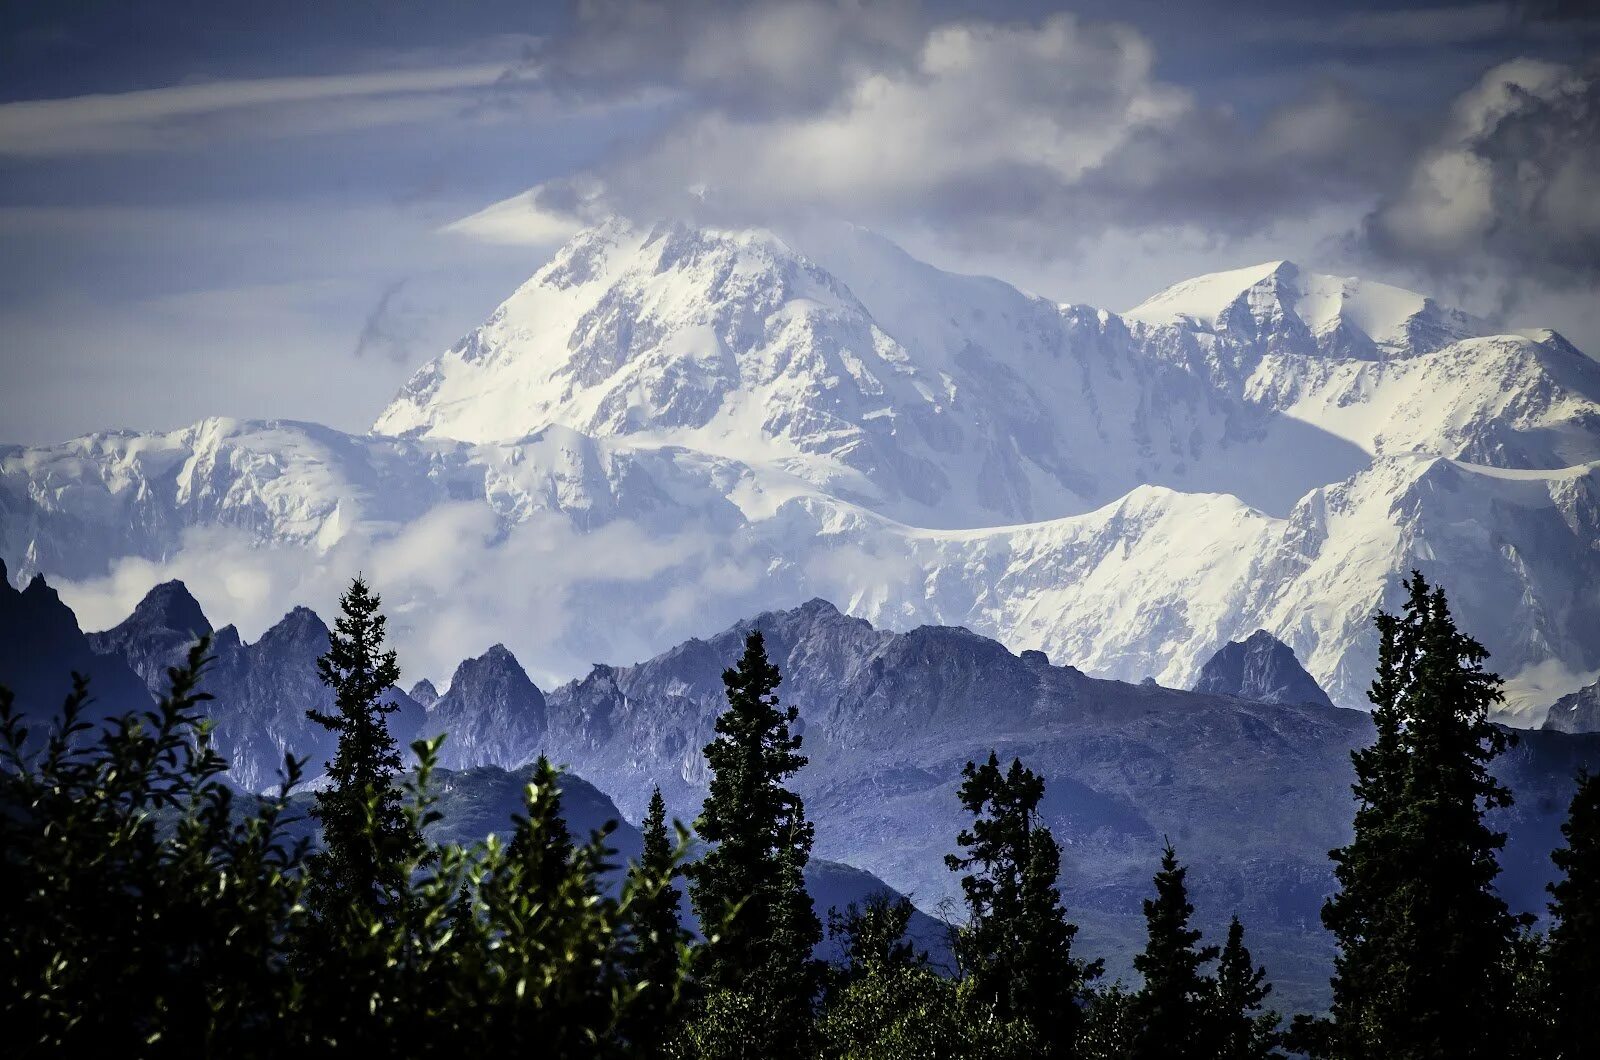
(666, 429)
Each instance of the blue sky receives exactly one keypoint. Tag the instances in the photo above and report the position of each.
(246, 209)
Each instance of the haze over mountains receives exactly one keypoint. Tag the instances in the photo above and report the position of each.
(668, 429)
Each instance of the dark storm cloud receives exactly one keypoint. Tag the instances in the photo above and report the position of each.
(1513, 180)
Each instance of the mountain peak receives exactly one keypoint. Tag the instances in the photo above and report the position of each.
(170, 605)
(1262, 668)
(1576, 712)
(1278, 300)
(493, 712)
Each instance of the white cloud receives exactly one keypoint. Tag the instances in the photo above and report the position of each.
(154, 117)
(614, 593)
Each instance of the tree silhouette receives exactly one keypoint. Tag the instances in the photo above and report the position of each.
(1016, 948)
(1424, 941)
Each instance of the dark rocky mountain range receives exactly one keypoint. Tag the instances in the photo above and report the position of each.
(1263, 668)
(1252, 793)
(158, 634)
(262, 689)
(41, 647)
(492, 713)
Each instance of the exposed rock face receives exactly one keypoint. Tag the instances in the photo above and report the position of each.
(1253, 794)
(1576, 712)
(493, 714)
(157, 635)
(424, 693)
(260, 692)
(41, 647)
(1262, 668)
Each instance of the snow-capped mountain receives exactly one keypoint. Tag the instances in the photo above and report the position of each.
(667, 428)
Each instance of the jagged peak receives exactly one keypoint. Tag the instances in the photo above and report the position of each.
(170, 605)
(1347, 314)
(498, 659)
(300, 622)
(1262, 668)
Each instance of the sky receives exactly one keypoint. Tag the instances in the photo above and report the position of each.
(282, 210)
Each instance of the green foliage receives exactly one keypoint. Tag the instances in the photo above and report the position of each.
(886, 1003)
(757, 965)
(872, 937)
(1016, 948)
(151, 912)
(1423, 938)
(1572, 964)
(145, 911)
(1171, 1011)
(1108, 1026)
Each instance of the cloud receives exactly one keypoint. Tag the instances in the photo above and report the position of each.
(163, 116)
(1006, 133)
(1512, 182)
(615, 592)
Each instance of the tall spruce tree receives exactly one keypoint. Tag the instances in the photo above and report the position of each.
(1241, 1028)
(1424, 941)
(658, 939)
(749, 889)
(367, 836)
(1572, 963)
(1016, 949)
(1172, 1011)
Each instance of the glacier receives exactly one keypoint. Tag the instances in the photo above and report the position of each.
(667, 428)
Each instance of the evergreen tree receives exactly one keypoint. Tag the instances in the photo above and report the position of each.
(1171, 1011)
(660, 944)
(1016, 948)
(1424, 941)
(367, 838)
(1572, 963)
(749, 889)
(1240, 1028)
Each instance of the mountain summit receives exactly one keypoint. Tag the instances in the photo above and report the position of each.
(1278, 305)
(669, 414)
(1262, 668)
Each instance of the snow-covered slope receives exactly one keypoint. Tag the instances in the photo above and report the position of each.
(1280, 305)
(668, 428)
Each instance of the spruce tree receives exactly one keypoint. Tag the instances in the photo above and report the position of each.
(1016, 949)
(1572, 963)
(1171, 1011)
(658, 939)
(749, 889)
(1241, 1029)
(1424, 942)
(367, 837)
